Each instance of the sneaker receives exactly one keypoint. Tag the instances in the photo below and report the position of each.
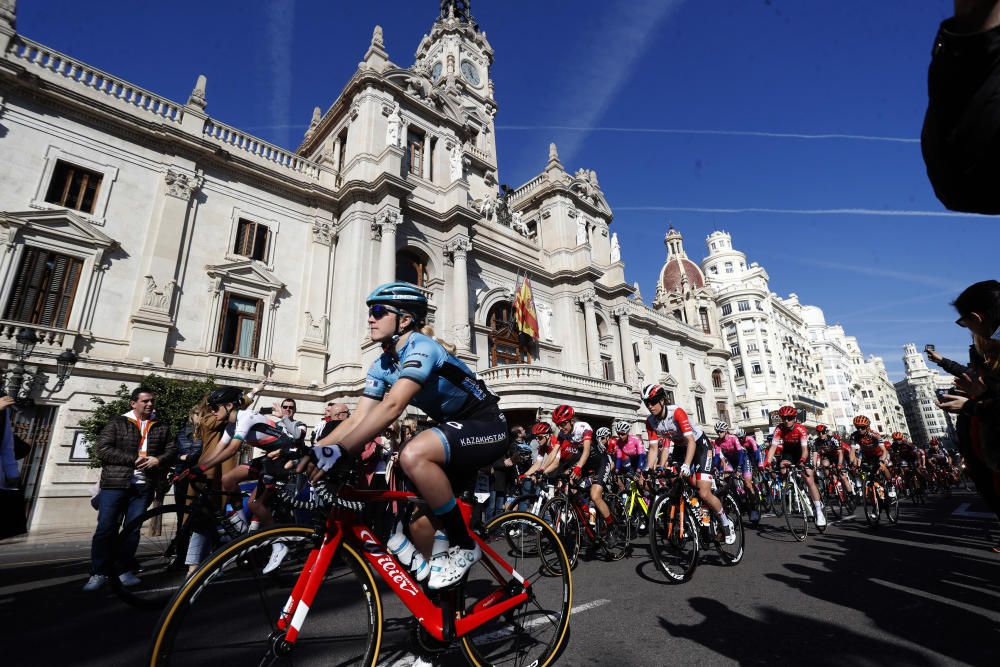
(278, 553)
(420, 661)
(892, 492)
(730, 532)
(448, 568)
(129, 579)
(820, 518)
(95, 582)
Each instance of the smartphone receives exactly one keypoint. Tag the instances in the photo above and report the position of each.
(266, 411)
(928, 348)
(941, 392)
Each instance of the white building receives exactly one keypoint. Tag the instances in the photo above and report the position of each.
(150, 237)
(879, 399)
(917, 395)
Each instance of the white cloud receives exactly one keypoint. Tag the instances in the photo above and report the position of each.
(812, 211)
(280, 17)
(723, 133)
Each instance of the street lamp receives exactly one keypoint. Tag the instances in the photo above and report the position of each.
(26, 341)
(64, 367)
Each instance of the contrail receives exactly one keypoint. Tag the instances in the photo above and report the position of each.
(809, 211)
(721, 133)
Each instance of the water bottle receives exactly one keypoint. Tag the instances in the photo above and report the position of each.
(700, 512)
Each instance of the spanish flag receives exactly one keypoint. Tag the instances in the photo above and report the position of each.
(524, 309)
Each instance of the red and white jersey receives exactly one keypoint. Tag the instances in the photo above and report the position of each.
(673, 426)
(790, 436)
(571, 444)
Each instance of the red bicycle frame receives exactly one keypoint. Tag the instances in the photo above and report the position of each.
(439, 621)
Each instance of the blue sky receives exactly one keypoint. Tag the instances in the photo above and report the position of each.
(683, 108)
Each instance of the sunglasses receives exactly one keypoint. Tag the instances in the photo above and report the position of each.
(787, 418)
(378, 311)
(287, 407)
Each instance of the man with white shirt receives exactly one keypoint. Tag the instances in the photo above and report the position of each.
(135, 449)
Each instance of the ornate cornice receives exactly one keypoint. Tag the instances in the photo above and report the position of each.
(181, 184)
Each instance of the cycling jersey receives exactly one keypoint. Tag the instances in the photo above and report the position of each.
(827, 448)
(754, 451)
(673, 426)
(792, 440)
(632, 446)
(905, 451)
(869, 442)
(448, 389)
(571, 444)
(729, 444)
(254, 428)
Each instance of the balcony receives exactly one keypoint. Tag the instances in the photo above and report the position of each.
(528, 385)
(226, 364)
(50, 339)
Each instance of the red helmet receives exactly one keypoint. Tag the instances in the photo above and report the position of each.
(861, 420)
(541, 428)
(562, 414)
(821, 428)
(652, 393)
(897, 436)
(935, 441)
(787, 411)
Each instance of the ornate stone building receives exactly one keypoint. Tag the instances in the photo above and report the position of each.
(147, 236)
(917, 395)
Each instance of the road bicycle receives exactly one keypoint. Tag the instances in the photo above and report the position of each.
(877, 497)
(635, 507)
(163, 539)
(568, 513)
(835, 495)
(679, 525)
(796, 505)
(322, 604)
(748, 501)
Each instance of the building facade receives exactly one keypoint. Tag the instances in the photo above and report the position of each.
(147, 236)
(916, 394)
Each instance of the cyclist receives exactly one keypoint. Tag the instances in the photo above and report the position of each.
(793, 439)
(582, 456)
(733, 456)
(908, 457)
(546, 457)
(629, 446)
(830, 454)
(872, 452)
(938, 460)
(471, 432)
(682, 440)
(754, 451)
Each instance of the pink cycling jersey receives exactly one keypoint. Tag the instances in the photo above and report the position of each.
(633, 447)
(728, 445)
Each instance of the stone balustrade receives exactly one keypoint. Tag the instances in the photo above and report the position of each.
(522, 374)
(231, 363)
(527, 188)
(233, 138)
(479, 153)
(48, 337)
(52, 65)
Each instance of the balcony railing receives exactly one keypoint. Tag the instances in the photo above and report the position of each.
(528, 374)
(49, 338)
(231, 363)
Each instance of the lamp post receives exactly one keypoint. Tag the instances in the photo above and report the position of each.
(20, 381)
(64, 368)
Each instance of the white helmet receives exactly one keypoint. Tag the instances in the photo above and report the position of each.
(739, 433)
(622, 427)
(603, 432)
(721, 426)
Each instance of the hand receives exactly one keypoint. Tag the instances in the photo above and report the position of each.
(260, 385)
(576, 473)
(146, 462)
(320, 460)
(933, 355)
(194, 472)
(951, 403)
(276, 410)
(5, 402)
(686, 470)
(971, 387)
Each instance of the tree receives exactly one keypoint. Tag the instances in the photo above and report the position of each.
(174, 398)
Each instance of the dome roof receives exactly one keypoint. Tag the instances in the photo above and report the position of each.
(675, 268)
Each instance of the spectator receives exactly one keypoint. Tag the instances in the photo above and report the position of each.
(977, 399)
(333, 414)
(374, 459)
(284, 412)
(188, 449)
(12, 518)
(135, 450)
(961, 133)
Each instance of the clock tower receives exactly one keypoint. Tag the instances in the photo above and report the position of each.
(457, 57)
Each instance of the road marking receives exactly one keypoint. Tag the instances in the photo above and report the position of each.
(982, 611)
(45, 583)
(408, 660)
(976, 589)
(963, 511)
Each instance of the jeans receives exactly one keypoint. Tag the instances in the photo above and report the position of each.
(527, 487)
(115, 507)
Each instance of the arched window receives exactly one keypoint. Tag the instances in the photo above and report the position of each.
(717, 378)
(411, 267)
(505, 344)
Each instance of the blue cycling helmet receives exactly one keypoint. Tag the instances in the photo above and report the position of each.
(404, 296)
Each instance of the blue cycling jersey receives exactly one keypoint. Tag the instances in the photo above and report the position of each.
(448, 388)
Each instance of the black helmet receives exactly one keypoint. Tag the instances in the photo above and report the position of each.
(223, 395)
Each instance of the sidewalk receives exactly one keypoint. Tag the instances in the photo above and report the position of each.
(40, 543)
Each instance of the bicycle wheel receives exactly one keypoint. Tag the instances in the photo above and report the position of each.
(673, 541)
(616, 545)
(872, 510)
(512, 533)
(891, 507)
(795, 512)
(227, 612)
(834, 499)
(534, 632)
(557, 513)
(163, 534)
(731, 554)
(777, 503)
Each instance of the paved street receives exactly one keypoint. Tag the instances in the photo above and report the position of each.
(923, 592)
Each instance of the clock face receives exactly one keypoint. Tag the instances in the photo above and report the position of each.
(470, 72)
(436, 72)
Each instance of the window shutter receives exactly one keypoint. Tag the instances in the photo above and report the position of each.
(222, 323)
(258, 320)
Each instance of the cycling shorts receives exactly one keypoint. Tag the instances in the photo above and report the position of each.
(701, 464)
(792, 451)
(472, 443)
(600, 469)
(831, 455)
(263, 467)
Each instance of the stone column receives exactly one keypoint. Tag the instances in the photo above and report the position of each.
(461, 329)
(319, 267)
(625, 335)
(152, 320)
(384, 227)
(590, 320)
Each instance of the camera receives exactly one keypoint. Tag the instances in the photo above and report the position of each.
(928, 348)
(940, 393)
(266, 411)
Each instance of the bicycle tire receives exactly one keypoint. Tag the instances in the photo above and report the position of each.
(558, 514)
(873, 513)
(215, 607)
(891, 508)
(795, 513)
(621, 543)
(164, 533)
(674, 551)
(732, 554)
(835, 500)
(777, 498)
(497, 635)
